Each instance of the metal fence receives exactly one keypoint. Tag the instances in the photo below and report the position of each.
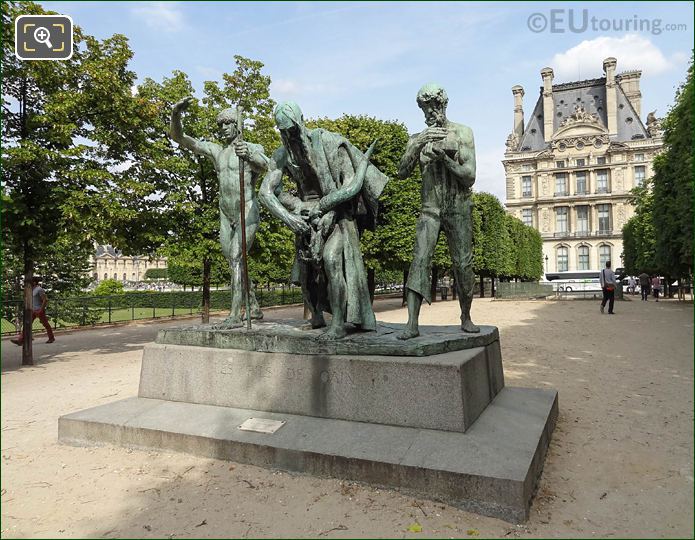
(133, 306)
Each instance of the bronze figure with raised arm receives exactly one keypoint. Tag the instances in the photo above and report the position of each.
(226, 162)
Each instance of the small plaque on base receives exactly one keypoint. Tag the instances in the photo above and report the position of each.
(261, 425)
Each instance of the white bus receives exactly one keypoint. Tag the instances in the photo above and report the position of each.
(577, 281)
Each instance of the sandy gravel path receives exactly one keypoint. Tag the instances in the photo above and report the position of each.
(620, 462)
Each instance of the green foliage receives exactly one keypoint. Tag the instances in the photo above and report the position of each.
(639, 235)
(492, 252)
(672, 183)
(66, 125)
(156, 273)
(109, 287)
(659, 237)
(526, 249)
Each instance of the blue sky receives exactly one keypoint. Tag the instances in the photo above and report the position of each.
(372, 57)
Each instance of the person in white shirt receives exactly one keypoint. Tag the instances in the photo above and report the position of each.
(608, 284)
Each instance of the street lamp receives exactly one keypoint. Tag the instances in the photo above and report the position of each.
(546, 263)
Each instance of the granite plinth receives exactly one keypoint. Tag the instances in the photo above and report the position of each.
(492, 469)
(292, 336)
(443, 391)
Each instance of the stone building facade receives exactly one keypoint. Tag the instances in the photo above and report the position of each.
(571, 166)
(110, 263)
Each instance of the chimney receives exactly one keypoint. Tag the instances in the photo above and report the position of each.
(611, 95)
(548, 106)
(629, 82)
(518, 93)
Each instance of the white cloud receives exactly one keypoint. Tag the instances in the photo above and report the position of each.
(162, 16)
(490, 173)
(289, 89)
(210, 72)
(632, 51)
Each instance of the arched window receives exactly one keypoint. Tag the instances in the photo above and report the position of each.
(95, 276)
(124, 276)
(604, 255)
(115, 275)
(583, 258)
(106, 276)
(562, 259)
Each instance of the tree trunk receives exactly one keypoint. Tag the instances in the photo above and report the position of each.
(492, 291)
(454, 292)
(433, 285)
(371, 283)
(405, 293)
(27, 349)
(206, 291)
(482, 286)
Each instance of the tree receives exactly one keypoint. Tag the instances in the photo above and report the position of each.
(639, 239)
(526, 251)
(156, 273)
(492, 254)
(66, 125)
(672, 184)
(109, 287)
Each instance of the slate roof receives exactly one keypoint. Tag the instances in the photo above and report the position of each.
(590, 93)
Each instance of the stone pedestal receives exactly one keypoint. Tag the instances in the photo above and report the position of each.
(441, 425)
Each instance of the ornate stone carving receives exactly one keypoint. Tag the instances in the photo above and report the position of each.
(618, 180)
(584, 140)
(546, 221)
(653, 125)
(580, 115)
(512, 142)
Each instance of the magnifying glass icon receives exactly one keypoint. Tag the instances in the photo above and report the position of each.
(42, 35)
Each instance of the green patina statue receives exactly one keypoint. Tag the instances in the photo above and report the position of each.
(337, 196)
(446, 154)
(226, 161)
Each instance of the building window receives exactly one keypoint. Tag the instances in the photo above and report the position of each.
(561, 219)
(115, 275)
(582, 219)
(640, 174)
(602, 181)
(581, 182)
(560, 184)
(562, 259)
(604, 218)
(95, 276)
(125, 277)
(639, 157)
(601, 160)
(604, 255)
(527, 217)
(583, 258)
(560, 164)
(526, 167)
(106, 276)
(581, 162)
(525, 186)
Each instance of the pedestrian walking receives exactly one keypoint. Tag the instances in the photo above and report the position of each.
(656, 286)
(40, 300)
(644, 282)
(608, 285)
(632, 285)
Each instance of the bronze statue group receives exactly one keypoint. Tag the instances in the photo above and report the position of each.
(337, 192)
